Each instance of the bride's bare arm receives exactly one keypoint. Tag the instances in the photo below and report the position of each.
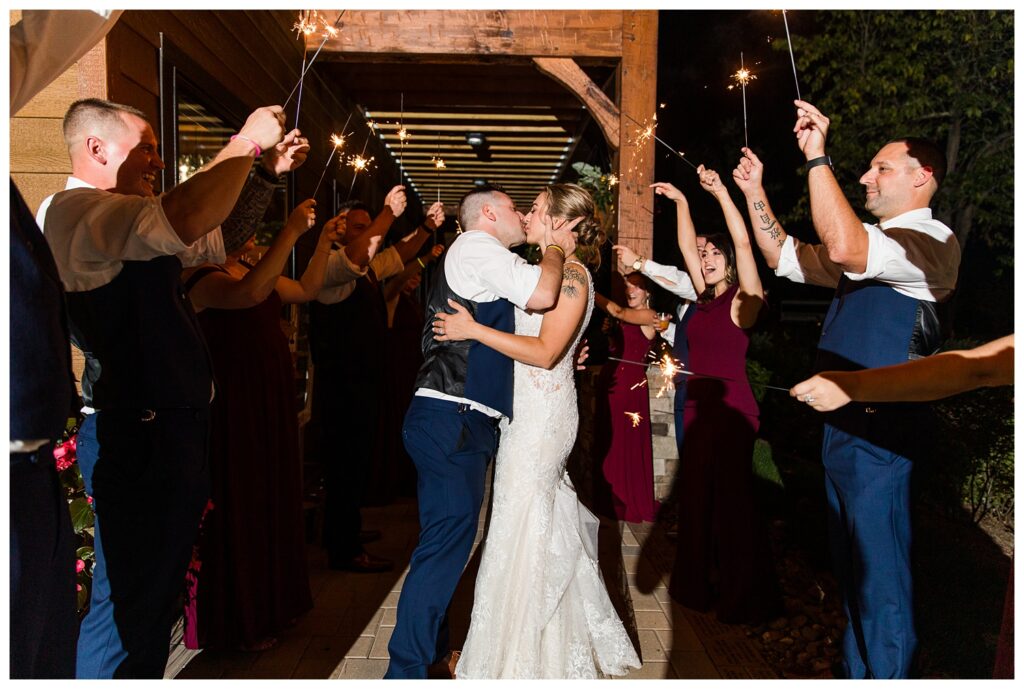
(556, 331)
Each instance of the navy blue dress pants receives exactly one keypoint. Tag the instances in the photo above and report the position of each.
(149, 481)
(44, 619)
(868, 491)
(451, 446)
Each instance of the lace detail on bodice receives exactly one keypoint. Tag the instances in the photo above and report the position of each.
(540, 608)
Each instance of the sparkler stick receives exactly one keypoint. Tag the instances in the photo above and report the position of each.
(662, 142)
(298, 103)
(403, 134)
(694, 373)
(439, 165)
(304, 27)
(743, 77)
(792, 61)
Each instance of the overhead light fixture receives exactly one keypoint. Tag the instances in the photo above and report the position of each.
(475, 139)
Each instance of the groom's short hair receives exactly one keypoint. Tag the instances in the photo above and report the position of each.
(473, 202)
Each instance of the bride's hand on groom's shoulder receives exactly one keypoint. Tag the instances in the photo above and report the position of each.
(453, 326)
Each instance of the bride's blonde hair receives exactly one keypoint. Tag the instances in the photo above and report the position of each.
(571, 201)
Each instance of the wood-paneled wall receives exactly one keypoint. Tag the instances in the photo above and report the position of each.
(39, 159)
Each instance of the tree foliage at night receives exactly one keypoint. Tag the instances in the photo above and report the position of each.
(943, 75)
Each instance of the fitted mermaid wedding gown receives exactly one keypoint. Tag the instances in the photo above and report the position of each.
(540, 609)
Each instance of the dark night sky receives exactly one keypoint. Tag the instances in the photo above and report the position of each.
(698, 51)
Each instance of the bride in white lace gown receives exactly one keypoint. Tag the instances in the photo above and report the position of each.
(540, 608)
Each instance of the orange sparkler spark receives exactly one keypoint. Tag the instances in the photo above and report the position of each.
(634, 417)
(669, 367)
(743, 77)
(359, 163)
(641, 384)
(403, 135)
(438, 163)
(306, 25)
(338, 140)
(612, 180)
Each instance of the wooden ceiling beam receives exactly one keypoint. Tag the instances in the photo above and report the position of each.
(566, 72)
(474, 35)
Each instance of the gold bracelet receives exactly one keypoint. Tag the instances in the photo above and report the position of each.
(556, 247)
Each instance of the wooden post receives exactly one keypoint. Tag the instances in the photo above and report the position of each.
(637, 100)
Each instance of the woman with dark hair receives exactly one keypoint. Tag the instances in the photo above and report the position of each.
(717, 527)
(628, 464)
(540, 608)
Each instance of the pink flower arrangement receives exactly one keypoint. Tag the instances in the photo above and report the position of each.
(64, 453)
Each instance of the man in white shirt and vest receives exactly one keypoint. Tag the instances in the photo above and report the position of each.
(892, 281)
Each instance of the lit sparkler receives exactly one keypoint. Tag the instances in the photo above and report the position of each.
(792, 60)
(306, 25)
(338, 140)
(308, 22)
(634, 417)
(654, 136)
(612, 179)
(358, 164)
(439, 165)
(743, 76)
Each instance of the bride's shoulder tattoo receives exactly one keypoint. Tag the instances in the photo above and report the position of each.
(573, 280)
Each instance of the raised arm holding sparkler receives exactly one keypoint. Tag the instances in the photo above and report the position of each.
(713, 268)
(768, 234)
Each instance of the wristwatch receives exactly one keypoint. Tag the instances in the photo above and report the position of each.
(638, 264)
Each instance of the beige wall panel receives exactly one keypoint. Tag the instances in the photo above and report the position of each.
(37, 145)
(35, 187)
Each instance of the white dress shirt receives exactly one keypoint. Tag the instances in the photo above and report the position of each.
(913, 253)
(341, 274)
(480, 268)
(91, 232)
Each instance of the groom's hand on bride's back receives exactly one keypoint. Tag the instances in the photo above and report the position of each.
(582, 354)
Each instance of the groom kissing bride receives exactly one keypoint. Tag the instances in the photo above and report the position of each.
(498, 363)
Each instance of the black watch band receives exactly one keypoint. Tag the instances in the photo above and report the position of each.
(815, 162)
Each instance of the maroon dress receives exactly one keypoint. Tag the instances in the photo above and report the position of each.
(628, 466)
(252, 578)
(717, 528)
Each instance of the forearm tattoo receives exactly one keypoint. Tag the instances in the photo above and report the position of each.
(573, 281)
(252, 203)
(768, 223)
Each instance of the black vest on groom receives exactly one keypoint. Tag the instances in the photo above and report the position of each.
(42, 385)
(141, 340)
(467, 369)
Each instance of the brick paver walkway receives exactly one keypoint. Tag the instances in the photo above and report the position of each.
(346, 634)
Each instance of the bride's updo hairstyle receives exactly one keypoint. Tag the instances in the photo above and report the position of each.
(571, 201)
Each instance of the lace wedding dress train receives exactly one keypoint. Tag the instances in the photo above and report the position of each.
(540, 608)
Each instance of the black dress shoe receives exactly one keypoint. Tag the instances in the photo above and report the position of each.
(369, 535)
(364, 562)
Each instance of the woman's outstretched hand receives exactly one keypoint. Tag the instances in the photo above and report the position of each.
(453, 327)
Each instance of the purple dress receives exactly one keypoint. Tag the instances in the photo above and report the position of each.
(628, 466)
(251, 578)
(717, 527)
